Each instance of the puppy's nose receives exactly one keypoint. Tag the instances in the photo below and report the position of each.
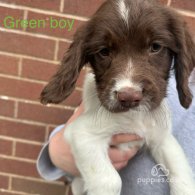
(129, 97)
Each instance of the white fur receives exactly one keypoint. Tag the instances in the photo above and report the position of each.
(90, 134)
(125, 80)
(123, 11)
(122, 83)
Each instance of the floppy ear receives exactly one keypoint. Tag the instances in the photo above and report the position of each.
(63, 82)
(184, 60)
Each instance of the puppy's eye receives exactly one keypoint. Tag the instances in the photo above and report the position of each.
(155, 47)
(104, 52)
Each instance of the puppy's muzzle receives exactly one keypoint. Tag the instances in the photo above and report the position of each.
(129, 97)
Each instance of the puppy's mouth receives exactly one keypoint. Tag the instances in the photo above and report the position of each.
(124, 107)
(117, 107)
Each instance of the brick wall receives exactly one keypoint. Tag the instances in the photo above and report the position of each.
(28, 57)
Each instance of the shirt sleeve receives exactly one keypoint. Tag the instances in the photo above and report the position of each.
(45, 167)
(183, 120)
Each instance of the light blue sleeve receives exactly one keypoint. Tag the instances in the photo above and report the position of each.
(45, 167)
(183, 120)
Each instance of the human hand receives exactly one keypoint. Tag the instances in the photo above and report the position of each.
(118, 157)
(61, 156)
(60, 151)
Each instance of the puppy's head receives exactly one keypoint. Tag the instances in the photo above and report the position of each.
(130, 46)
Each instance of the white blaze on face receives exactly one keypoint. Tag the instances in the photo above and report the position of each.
(125, 83)
(123, 10)
(125, 80)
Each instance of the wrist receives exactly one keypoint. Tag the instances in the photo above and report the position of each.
(53, 149)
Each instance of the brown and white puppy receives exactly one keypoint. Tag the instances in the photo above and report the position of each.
(130, 46)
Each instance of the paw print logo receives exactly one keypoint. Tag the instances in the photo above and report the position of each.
(159, 170)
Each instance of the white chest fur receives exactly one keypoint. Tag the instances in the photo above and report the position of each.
(89, 138)
(146, 124)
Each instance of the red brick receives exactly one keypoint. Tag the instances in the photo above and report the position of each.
(22, 131)
(191, 24)
(16, 14)
(20, 88)
(38, 70)
(5, 147)
(55, 32)
(44, 114)
(6, 108)
(43, 4)
(74, 99)
(50, 129)
(184, 4)
(18, 167)
(29, 151)
(27, 45)
(63, 47)
(164, 2)
(82, 8)
(4, 182)
(8, 65)
(35, 187)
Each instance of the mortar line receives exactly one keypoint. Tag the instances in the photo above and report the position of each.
(10, 184)
(48, 12)
(23, 79)
(17, 158)
(56, 50)
(14, 148)
(36, 35)
(186, 13)
(25, 17)
(61, 5)
(21, 140)
(28, 57)
(20, 66)
(24, 121)
(47, 133)
(16, 109)
(168, 2)
(16, 192)
(20, 100)
(30, 178)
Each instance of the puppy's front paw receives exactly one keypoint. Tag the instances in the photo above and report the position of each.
(103, 192)
(106, 186)
(77, 186)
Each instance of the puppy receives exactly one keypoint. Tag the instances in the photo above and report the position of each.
(130, 46)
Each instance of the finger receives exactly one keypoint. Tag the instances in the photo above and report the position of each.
(116, 155)
(124, 138)
(119, 166)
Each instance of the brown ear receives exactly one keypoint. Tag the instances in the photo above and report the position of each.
(63, 82)
(184, 60)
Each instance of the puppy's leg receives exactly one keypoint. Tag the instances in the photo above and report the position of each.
(94, 164)
(91, 154)
(170, 154)
(77, 186)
